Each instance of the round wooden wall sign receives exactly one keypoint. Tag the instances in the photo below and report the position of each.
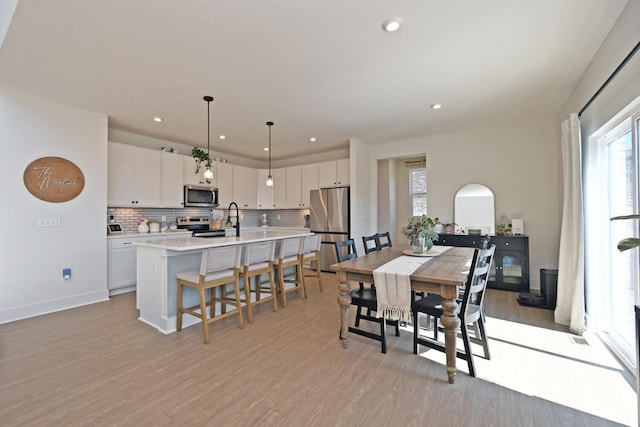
(53, 179)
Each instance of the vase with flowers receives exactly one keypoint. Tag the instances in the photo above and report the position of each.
(143, 226)
(420, 233)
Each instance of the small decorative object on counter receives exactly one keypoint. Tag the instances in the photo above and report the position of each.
(143, 226)
(216, 223)
(420, 233)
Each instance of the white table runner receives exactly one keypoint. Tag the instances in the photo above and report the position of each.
(393, 285)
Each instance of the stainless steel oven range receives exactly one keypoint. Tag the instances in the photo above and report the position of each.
(200, 226)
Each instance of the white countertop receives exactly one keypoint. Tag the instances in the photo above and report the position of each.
(136, 234)
(193, 243)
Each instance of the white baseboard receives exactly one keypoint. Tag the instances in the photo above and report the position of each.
(37, 309)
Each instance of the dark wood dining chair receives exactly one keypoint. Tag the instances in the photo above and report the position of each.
(370, 244)
(383, 240)
(364, 297)
(470, 314)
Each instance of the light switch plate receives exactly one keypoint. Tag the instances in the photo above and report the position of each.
(51, 221)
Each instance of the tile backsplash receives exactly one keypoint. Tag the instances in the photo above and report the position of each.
(128, 217)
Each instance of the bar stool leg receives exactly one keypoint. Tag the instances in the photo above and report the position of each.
(179, 307)
(247, 294)
(203, 313)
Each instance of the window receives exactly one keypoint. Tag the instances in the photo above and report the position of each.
(611, 189)
(418, 191)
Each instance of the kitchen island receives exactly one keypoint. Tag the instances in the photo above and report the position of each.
(159, 261)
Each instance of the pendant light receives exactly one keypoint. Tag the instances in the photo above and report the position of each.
(208, 173)
(269, 178)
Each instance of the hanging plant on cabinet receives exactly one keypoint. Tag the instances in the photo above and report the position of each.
(200, 156)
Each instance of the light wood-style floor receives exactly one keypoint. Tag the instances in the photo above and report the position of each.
(99, 366)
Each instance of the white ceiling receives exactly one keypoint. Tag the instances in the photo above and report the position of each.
(316, 68)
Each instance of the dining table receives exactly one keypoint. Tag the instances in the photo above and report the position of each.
(441, 274)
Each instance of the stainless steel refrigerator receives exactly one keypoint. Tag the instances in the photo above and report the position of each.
(330, 217)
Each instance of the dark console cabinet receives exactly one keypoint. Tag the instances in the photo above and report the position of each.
(510, 269)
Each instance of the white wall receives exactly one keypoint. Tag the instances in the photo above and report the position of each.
(387, 198)
(32, 258)
(520, 162)
(363, 193)
(624, 35)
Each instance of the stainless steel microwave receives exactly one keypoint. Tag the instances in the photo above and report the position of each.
(200, 196)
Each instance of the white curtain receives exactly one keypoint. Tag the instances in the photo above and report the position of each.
(570, 307)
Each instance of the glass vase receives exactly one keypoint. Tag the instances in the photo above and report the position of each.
(418, 242)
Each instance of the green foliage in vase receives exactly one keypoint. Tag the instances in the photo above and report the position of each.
(421, 223)
(503, 230)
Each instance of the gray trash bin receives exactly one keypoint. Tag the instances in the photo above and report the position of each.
(549, 287)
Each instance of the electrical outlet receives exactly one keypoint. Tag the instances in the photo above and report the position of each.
(278, 217)
(164, 218)
(66, 275)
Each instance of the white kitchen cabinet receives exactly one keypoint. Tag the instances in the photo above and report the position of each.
(264, 193)
(309, 182)
(148, 177)
(190, 175)
(343, 172)
(333, 173)
(224, 181)
(279, 188)
(294, 186)
(120, 176)
(172, 180)
(272, 197)
(121, 260)
(134, 176)
(300, 181)
(244, 187)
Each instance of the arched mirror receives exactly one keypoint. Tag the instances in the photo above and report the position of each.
(474, 210)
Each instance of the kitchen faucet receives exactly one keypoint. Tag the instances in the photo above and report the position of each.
(237, 217)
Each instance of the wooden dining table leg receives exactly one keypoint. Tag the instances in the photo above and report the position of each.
(344, 300)
(451, 323)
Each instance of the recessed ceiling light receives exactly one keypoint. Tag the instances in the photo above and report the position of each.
(266, 148)
(392, 24)
(312, 139)
(436, 106)
(157, 119)
(222, 137)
